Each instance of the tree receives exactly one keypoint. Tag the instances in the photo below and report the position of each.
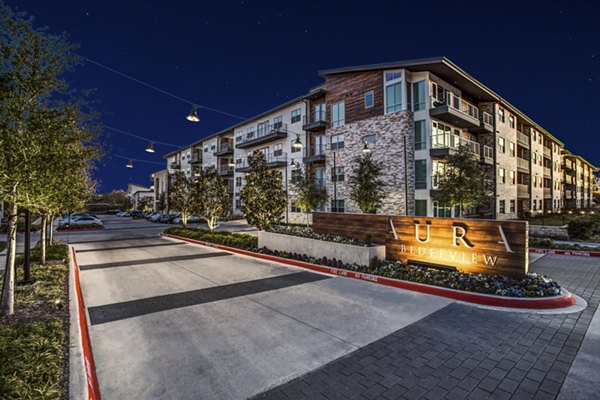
(161, 205)
(308, 193)
(263, 198)
(145, 204)
(33, 62)
(464, 182)
(596, 190)
(366, 185)
(182, 196)
(213, 197)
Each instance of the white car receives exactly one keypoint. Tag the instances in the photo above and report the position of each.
(82, 220)
(123, 214)
(192, 219)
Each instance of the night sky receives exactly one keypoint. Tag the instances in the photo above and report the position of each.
(244, 57)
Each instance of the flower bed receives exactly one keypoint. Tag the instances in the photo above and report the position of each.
(306, 232)
(549, 243)
(225, 238)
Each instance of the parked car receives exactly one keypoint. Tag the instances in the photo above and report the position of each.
(151, 215)
(123, 214)
(81, 220)
(191, 219)
(137, 215)
(156, 217)
(167, 218)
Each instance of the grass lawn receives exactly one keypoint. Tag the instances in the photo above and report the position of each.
(34, 341)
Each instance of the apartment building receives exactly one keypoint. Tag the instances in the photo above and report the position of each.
(411, 115)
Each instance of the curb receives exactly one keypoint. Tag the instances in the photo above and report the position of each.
(83, 387)
(564, 300)
(77, 230)
(577, 253)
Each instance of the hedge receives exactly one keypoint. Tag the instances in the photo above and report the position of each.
(225, 238)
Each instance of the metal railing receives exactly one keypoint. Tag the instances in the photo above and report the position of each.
(523, 138)
(522, 189)
(315, 116)
(522, 163)
(450, 141)
(262, 131)
(226, 146)
(547, 152)
(271, 159)
(196, 158)
(225, 169)
(314, 151)
(174, 166)
(547, 171)
(455, 102)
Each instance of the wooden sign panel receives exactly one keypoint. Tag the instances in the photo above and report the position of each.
(469, 245)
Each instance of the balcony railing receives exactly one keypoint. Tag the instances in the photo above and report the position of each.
(196, 158)
(314, 153)
(263, 132)
(523, 139)
(547, 172)
(547, 152)
(487, 118)
(522, 163)
(224, 148)
(450, 141)
(273, 161)
(315, 121)
(174, 165)
(522, 190)
(458, 104)
(225, 170)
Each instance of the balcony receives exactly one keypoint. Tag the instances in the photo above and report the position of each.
(196, 159)
(547, 152)
(314, 154)
(224, 149)
(547, 192)
(273, 161)
(263, 135)
(547, 172)
(487, 155)
(486, 124)
(522, 191)
(445, 144)
(225, 170)
(523, 139)
(174, 165)
(455, 111)
(523, 165)
(316, 121)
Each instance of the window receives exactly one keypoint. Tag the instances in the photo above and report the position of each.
(511, 177)
(212, 147)
(337, 114)
(296, 115)
(295, 208)
(278, 122)
(502, 206)
(369, 100)
(512, 206)
(238, 204)
(511, 121)
(393, 97)
(337, 174)
(511, 149)
(421, 208)
(533, 207)
(296, 175)
(337, 206)
(419, 96)
(420, 135)
(277, 150)
(502, 145)
(206, 149)
(501, 115)
(238, 181)
(441, 210)
(501, 175)
(262, 128)
(393, 76)
(337, 141)
(420, 174)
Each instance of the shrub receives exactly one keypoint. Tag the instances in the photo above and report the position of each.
(584, 228)
(225, 238)
(305, 232)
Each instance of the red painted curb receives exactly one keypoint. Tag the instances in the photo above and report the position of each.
(578, 253)
(88, 356)
(564, 300)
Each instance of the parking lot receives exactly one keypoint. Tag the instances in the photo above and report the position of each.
(179, 321)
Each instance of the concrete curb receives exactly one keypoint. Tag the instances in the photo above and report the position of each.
(577, 253)
(564, 300)
(77, 380)
(84, 358)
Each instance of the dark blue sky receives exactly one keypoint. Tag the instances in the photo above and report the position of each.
(244, 57)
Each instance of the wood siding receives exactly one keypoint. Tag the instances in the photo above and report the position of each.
(351, 87)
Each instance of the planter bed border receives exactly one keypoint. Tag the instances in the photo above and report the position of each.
(561, 252)
(78, 230)
(541, 303)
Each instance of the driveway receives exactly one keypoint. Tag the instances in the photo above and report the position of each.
(178, 321)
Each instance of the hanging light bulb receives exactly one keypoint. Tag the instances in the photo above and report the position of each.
(297, 143)
(366, 149)
(231, 164)
(129, 164)
(150, 148)
(193, 115)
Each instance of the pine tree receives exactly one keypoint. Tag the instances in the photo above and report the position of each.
(366, 185)
(263, 198)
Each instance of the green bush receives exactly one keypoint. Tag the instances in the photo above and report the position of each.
(225, 238)
(584, 228)
(541, 242)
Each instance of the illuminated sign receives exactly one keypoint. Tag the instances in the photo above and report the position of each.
(469, 245)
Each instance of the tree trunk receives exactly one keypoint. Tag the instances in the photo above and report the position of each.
(8, 292)
(51, 231)
(43, 240)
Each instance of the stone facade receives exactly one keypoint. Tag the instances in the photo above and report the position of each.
(506, 163)
(392, 133)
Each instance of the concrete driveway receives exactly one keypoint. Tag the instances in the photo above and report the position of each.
(178, 321)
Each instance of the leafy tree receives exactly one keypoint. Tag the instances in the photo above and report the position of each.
(366, 185)
(182, 196)
(263, 198)
(308, 193)
(465, 182)
(145, 204)
(161, 205)
(213, 197)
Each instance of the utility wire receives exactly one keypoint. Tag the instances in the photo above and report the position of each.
(138, 160)
(124, 75)
(140, 137)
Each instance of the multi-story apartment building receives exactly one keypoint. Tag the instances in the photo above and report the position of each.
(411, 115)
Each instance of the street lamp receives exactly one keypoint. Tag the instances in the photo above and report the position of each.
(129, 164)
(150, 148)
(193, 115)
(366, 149)
(297, 143)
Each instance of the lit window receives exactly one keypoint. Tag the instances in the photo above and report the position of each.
(501, 175)
(502, 145)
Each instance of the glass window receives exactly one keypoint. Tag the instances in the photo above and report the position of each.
(511, 177)
(420, 135)
(393, 97)
(440, 210)
(277, 150)
(296, 175)
(337, 174)
(421, 208)
(511, 121)
(418, 95)
(337, 206)
(511, 148)
(392, 76)
(369, 100)
(420, 174)
(337, 114)
(296, 114)
(337, 141)
(501, 175)
(262, 128)
(501, 115)
(238, 204)
(238, 180)
(502, 145)
(502, 207)
(278, 122)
